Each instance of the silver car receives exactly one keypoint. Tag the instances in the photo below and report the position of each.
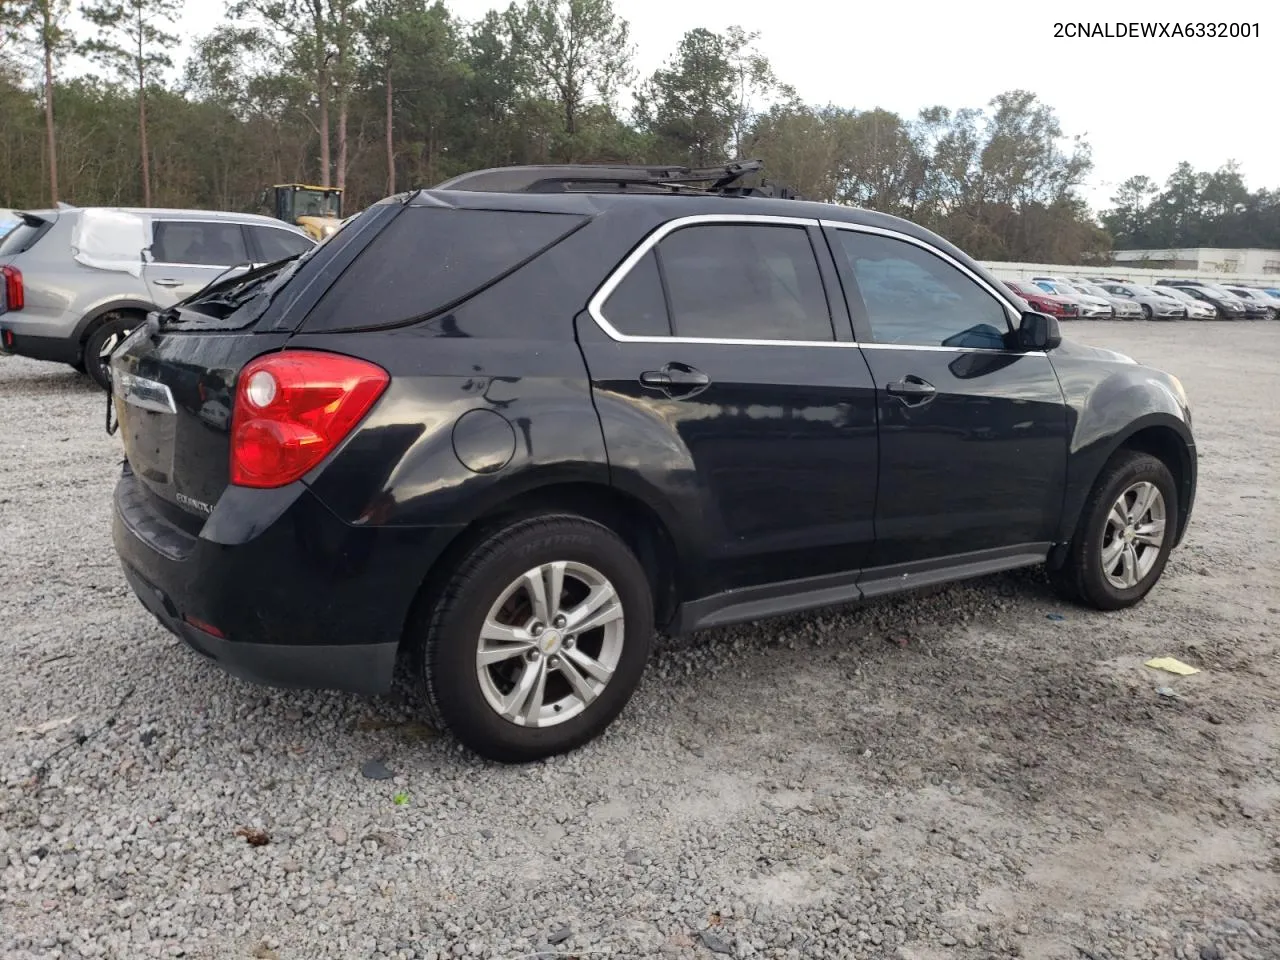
(77, 280)
(1124, 308)
(1155, 305)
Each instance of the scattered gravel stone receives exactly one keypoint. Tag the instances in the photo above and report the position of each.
(715, 943)
(375, 770)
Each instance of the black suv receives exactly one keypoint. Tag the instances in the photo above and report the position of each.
(510, 426)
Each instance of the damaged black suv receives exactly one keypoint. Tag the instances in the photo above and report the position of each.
(511, 426)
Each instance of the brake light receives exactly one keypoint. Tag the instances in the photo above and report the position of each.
(15, 294)
(293, 408)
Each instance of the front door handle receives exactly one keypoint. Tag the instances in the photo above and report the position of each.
(167, 283)
(911, 390)
(676, 380)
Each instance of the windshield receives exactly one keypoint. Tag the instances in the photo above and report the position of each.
(315, 203)
(1093, 291)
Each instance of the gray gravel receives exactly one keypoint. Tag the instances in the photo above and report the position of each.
(948, 776)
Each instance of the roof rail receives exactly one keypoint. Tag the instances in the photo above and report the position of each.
(725, 180)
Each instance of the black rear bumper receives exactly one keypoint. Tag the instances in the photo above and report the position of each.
(355, 667)
(52, 349)
(299, 598)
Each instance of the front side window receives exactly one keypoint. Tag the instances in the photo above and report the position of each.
(744, 281)
(201, 243)
(915, 298)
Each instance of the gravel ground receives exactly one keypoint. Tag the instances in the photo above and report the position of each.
(976, 773)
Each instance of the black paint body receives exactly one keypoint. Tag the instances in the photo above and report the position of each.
(791, 480)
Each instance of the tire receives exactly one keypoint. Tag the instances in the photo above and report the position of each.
(1146, 311)
(1097, 578)
(489, 592)
(105, 338)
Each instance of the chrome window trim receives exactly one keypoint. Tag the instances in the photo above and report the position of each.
(596, 304)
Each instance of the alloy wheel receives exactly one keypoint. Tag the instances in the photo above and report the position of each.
(1134, 534)
(550, 644)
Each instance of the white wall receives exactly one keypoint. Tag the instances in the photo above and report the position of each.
(1025, 271)
(1243, 260)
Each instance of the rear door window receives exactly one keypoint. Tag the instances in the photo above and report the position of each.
(208, 243)
(638, 307)
(429, 259)
(272, 244)
(739, 281)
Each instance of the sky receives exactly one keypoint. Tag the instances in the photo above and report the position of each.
(1143, 104)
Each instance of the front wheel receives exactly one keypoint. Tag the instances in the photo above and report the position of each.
(100, 344)
(539, 639)
(1125, 534)
(1146, 311)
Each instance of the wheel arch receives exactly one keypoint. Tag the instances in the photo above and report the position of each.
(637, 522)
(94, 318)
(1162, 435)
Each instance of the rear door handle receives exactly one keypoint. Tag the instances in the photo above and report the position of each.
(911, 389)
(167, 283)
(676, 379)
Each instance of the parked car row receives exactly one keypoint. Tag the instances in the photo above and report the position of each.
(1107, 298)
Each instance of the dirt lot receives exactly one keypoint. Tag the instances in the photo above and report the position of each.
(978, 773)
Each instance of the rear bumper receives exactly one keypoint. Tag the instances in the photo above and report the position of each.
(54, 349)
(355, 667)
(300, 598)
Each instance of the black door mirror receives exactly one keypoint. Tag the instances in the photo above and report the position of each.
(1038, 331)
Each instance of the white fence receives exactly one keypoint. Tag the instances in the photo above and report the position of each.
(1025, 271)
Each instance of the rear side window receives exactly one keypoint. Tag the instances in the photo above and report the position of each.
(430, 259)
(200, 243)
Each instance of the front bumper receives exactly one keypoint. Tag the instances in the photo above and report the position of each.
(296, 597)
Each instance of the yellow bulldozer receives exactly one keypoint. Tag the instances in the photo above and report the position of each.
(317, 210)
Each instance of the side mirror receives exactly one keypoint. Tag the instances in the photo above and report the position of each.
(1038, 331)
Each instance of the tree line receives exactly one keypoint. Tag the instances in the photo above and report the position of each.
(377, 96)
(1194, 209)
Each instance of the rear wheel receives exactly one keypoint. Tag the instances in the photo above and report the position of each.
(100, 344)
(1125, 534)
(538, 640)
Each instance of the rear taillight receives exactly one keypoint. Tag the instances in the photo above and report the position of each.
(293, 408)
(15, 294)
